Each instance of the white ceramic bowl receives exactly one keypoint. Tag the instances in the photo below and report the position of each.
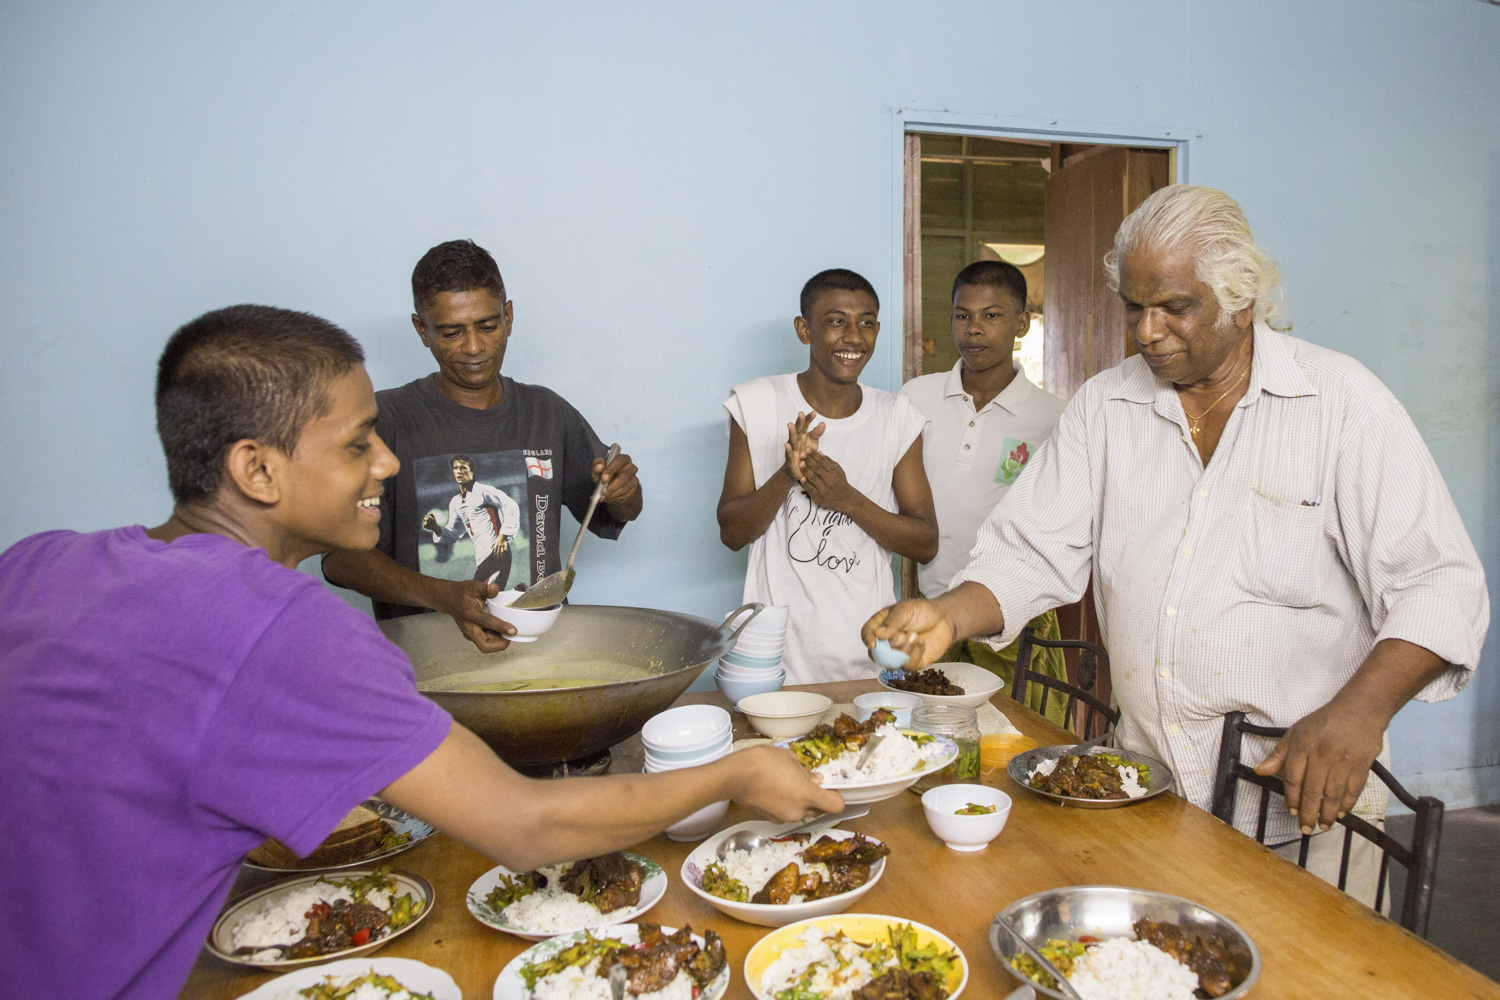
(746, 673)
(690, 756)
(900, 704)
(734, 688)
(772, 618)
(654, 763)
(700, 824)
(978, 683)
(685, 729)
(965, 833)
(768, 914)
(741, 660)
(784, 714)
(529, 622)
(759, 648)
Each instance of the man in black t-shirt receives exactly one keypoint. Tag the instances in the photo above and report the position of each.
(511, 448)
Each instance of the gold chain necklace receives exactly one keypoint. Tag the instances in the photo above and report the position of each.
(1194, 427)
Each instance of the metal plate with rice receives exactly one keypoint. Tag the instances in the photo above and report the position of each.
(1022, 764)
(1107, 911)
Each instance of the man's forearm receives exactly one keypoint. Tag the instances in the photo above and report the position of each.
(744, 519)
(972, 611)
(906, 535)
(1392, 675)
(380, 578)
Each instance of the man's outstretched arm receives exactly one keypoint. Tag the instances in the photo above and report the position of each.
(380, 578)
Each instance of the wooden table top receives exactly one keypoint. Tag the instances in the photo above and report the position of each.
(1314, 940)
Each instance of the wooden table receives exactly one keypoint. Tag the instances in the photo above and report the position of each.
(1314, 940)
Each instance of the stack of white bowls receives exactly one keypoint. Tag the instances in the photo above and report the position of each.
(687, 736)
(753, 666)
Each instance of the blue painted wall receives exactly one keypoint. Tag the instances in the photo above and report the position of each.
(658, 179)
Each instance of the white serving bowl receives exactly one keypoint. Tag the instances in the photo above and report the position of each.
(529, 622)
(784, 714)
(685, 729)
(965, 833)
(769, 914)
(900, 704)
(734, 688)
(700, 824)
(978, 683)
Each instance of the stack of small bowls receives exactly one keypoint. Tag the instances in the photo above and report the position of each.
(688, 736)
(753, 666)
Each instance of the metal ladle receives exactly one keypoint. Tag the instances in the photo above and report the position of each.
(552, 588)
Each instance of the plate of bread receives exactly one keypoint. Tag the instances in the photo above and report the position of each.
(372, 832)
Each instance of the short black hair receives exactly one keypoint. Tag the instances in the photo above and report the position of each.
(455, 266)
(834, 279)
(996, 274)
(461, 458)
(243, 372)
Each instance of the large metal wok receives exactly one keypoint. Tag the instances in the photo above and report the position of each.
(603, 671)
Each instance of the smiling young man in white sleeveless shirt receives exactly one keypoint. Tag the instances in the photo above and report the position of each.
(824, 481)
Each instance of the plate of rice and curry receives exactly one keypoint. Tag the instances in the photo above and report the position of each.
(1099, 778)
(561, 899)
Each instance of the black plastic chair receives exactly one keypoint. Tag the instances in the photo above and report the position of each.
(1419, 859)
(1088, 672)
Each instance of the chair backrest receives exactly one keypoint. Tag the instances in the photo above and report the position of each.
(1096, 709)
(1419, 859)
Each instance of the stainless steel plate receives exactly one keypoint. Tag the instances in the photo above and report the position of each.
(1022, 764)
(1108, 911)
(400, 820)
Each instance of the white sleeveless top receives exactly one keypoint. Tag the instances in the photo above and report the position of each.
(823, 566)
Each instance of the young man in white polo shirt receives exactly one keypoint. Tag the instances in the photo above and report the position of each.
(986, 421)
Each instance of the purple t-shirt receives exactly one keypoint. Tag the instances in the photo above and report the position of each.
(163, 709)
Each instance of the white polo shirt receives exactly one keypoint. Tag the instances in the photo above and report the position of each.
(973, 458)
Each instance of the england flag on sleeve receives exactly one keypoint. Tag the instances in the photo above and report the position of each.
(539, 466)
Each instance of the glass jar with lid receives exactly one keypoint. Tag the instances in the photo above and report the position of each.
(959, 724)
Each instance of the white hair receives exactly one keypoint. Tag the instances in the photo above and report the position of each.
(1209, 225)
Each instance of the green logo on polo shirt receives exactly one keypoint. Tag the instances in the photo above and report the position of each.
(1016, 455)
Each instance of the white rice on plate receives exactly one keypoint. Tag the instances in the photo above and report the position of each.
(838, 964)
(552, 908)
(582, 982)
(282, 919)
(1122, 969)
(897, 756)
(753, 869)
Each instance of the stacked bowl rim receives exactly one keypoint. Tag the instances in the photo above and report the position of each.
(703, 725)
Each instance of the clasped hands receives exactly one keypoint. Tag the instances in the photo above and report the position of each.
(822, 477)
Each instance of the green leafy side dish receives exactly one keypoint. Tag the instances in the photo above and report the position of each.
(510, 889)
(329, 989)
(1060, 953)
(1118, 761)
(579, 953)
(716, 882)
(974, 809)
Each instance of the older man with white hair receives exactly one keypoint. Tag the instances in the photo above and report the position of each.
(1266, 530)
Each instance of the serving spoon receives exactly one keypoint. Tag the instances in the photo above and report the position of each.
(749, 840)
(552, 588)
(1062, 983)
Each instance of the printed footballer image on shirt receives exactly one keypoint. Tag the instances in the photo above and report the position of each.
(472, 528)
(1013, 459)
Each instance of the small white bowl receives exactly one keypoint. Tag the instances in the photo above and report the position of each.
(747, 673)
(735, 689)
(700, 824)
(978, 683)
(657, 764)
(784, 714)
(685, 728)
(900, 703)
(759, 649)
(529, 622)
(965, 833)
(772, 618)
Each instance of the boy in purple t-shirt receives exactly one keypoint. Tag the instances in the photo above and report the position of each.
(170, 697)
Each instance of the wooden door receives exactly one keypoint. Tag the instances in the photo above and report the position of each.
(1088, 196)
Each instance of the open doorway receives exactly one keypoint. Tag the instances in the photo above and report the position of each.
(1051, 209)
